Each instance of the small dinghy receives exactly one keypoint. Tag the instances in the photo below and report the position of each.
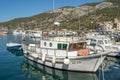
(14, 46)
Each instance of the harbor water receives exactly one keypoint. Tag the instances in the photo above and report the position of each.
(13, 66)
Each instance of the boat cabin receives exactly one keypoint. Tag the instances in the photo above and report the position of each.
(63, 48)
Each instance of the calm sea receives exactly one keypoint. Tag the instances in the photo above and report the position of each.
(13, 66)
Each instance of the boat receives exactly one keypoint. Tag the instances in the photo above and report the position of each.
(18, 32)
(35, 34)
(3, 32)
(103, 43)
(65, 53)
(14, 46)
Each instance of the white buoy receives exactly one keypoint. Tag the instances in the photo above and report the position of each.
(53, 59)
(43, 57)
(66, 61)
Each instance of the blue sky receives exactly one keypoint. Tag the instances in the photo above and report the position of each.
(10, 9)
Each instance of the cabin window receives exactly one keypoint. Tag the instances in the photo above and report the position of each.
(50, 44)
(100, 42)
(105, 41)
(62, 46)
(81, 45)
(93, 42)
(72, 47)
(59, 46)
(77, 46)
(44, 43)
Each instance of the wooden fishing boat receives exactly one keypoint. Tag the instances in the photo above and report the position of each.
(65, 53)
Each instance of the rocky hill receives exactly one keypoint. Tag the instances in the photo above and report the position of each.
(79, 17)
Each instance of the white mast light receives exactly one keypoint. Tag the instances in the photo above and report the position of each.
(56, 23)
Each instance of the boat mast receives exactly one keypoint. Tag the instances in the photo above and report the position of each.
(55, 23)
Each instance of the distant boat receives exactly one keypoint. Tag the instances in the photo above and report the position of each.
(3, 32)
(35, 34)
(103, 43)
(65, 53)
(14, 46)
(19, 32)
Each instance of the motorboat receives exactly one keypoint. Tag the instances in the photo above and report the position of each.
(14, 46)
(103, 43)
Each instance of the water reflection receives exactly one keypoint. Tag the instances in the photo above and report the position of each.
(15, 52)
(39, 72)
(112, 68)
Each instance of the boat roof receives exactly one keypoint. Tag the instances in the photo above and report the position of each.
(66, 39)
(99, 37)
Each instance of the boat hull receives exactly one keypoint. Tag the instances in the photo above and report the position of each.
(114, 54)
(89, 64)
(15, 47)
(30, 67)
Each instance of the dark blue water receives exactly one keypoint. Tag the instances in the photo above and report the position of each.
(13, 66)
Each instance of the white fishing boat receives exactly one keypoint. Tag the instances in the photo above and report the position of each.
(65, 53)
(35, 34)
(104, 43)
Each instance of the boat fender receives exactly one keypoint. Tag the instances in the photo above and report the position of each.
(25, 52)
(98, 51)
(43, 57)
(66, 61)
(53, 59)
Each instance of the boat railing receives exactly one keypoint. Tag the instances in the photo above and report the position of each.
(64, 39)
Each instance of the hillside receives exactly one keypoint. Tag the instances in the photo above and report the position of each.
(80, 17)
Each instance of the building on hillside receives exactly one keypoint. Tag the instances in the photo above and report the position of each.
(116, 23)
(108, 25)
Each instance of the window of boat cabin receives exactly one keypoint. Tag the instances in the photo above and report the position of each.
(77, 46)
(44, 43)
(107, 41)
(93, 42)
(100, 42)
(62, 46)
(50, 44)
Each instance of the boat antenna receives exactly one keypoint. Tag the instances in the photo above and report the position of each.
(53, 5)
(55, 23)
